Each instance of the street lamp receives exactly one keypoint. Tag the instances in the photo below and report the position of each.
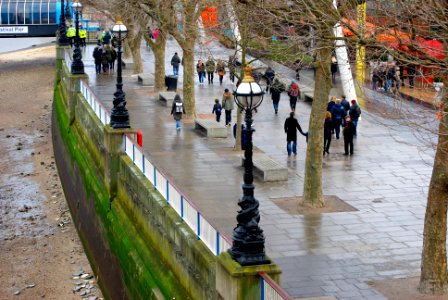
(63, 40)
(248, 238)
(119, 117)
(77, 64)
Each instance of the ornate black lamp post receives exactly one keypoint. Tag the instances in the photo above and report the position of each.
(77, 64)
(63, 40)
(119, 117)
(248, 238)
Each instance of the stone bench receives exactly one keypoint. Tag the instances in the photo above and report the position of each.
(270, 169)
(145, 79)
(167, 98)
(127, 63)
(211, 128)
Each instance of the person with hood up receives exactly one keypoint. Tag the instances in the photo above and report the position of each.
(276, 89)
(227, 105)
(293, 95)
(177, 110)
(291, 126)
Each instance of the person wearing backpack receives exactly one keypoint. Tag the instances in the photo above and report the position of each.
(177, 110)
(354, 113)
(217, 108)
(276, 89)
(293, 94)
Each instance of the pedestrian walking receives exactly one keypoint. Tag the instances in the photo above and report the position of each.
(217, 108)
(331, 103)
(345, 104)
(390, 77)
(111, 58)
(104, 59)
(221, 70)
(411, 75)
(227, 104)
(354, 113)
(82, 37)
(97, 52)
(269, 75)
(328, 129)
(348, 132)
(232, 68)
(210, 67)
(175, 62)
(337, 115)
(177, 110)
(293, 94)
(71, 34)
(291, 126)
(200, 69)
(276, 89)
(334, 69)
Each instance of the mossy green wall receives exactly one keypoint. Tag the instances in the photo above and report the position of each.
(136, 235)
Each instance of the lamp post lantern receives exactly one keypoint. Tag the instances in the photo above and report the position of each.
(248, 238)
(119, 117)
(77, 64)
(63, 40)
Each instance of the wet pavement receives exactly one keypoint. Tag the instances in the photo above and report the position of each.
(336, 254)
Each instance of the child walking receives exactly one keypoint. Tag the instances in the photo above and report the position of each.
(217, 108)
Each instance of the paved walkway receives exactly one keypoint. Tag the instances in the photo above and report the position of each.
(333, 254)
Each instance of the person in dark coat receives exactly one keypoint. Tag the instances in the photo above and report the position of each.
(334, 69)
(269, 76)
(175, 62)
(217, 108)
(337, 115)
(97, 57)
(328, 129)
(354, 113)
(104, 59)
(348, 132)
(345, 104)
(177, 110)
(331, 103)
(276, 89)
(291, 126)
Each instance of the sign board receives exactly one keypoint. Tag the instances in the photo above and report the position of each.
(13, 29)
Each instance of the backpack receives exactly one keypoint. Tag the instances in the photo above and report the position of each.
(178, 107)
(294, 92)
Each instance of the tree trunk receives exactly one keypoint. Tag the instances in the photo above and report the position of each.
(159, 65)
(312, 190)
(188, 86)
(433, 278)
(135, 44)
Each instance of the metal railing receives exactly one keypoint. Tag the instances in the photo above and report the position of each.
(270, 290)
(186, 209)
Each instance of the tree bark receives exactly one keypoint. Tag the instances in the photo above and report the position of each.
(134, 44)
(312, 189)
(188, 68)
(158, 49)
(434, 277)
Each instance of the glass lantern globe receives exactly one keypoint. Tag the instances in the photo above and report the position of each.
(249, 93)
(119, 30)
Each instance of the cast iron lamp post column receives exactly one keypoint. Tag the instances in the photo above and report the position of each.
(63, 40)
(248, 238)
(119, 117)
(77, 64)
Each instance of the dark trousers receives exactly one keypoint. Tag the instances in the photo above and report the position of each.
(210, 77)
(218, 117)
(228, 117)
(348, 145)
(337, 127)
(98, 68)
(327, 143)
(220, 79)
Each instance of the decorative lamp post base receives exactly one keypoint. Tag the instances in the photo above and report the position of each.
(77, 68)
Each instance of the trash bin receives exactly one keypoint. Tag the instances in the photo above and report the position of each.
(171, 82)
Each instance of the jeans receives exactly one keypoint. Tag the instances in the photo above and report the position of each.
(176, 70)
(201, 77)
(218, 117)
(98, 68)
(389, 84)
(228, 117)
(210, 77)
(355, 122)
(337, 127)
(293, 145)
(275, 104)
(177, 124)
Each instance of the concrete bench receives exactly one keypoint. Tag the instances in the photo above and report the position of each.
(211, 128)
(145, 79)
(167, 97)
(269, 168)
(127, 63)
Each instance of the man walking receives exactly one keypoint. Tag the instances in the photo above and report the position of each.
(175, 62)
(291, 126)
(354, 113)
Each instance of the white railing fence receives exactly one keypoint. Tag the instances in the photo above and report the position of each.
(270, 290)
